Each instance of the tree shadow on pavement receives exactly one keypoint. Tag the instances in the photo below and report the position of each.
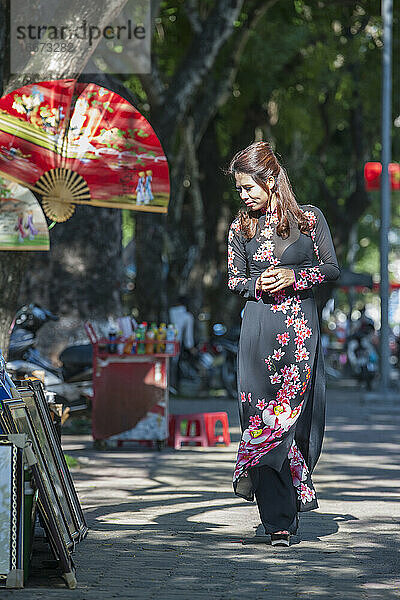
(167, 526)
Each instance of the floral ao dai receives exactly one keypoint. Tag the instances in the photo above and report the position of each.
(279, 350)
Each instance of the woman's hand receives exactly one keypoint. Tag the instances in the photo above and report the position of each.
(274, 279)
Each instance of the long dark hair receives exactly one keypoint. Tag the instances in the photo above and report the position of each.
(259, 161)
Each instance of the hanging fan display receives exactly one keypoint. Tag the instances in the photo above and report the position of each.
(80, 143)
(22, 222)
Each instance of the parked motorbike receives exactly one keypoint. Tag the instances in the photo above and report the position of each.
(72, 382)
(214, 363)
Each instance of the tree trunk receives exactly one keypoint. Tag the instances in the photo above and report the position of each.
(12, 264)
(80, 278)
(152, 267)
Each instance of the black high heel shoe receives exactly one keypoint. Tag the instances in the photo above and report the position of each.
(280, 539)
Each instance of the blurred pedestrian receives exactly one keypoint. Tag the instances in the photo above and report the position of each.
(277, 252)
(183, 321)
(362, 356)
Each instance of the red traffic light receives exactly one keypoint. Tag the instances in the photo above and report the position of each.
(372, 176)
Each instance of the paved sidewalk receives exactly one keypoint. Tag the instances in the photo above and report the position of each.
(166, 525)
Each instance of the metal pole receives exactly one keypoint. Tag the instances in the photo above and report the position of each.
(387, 16)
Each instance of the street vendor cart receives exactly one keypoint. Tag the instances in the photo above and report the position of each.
(130, 393)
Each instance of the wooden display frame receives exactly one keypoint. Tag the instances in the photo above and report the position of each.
(17, 419)
(51, 521)
(11, 514)
(33, 392)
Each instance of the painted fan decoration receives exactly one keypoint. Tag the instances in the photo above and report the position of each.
(79, 143)
(22, 222)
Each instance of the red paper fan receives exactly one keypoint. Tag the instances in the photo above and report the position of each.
(78, 143)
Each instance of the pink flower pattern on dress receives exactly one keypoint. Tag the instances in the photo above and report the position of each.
(266, 250)
(298, 467)
(282, 304)
(255, 422)
(269, 363)
(306, 493)
(301, 354)
(308, 277)
(307, 371)
(243, 397)
(275, 378)
(312, 221)
(289, 321)
(311, 218)
(290, 373)
(253, 447)
(234, 281)
(300, 475)
(231, 256)
(283, 338)
(261, 404)
(267, 231)
(278, 416)
(236, 226)
(234, 278)
(278, 354)
(296, 309)
(288, 392)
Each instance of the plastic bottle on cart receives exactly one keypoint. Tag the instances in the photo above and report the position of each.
(155, 331)
(128, 346)
(121, 344)
(141, 336)
(161, 337)
(112, 336)
(171, 337)
(138, 338)
(134, 343)
(150, 339)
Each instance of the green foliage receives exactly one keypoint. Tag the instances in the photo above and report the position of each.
(172, 37)
(367, 257)
(308, 69)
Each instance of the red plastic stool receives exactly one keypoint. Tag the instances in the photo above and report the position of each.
(204, 424)
(211, 419)
(176, 437)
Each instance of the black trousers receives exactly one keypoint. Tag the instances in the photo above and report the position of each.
(276, 498)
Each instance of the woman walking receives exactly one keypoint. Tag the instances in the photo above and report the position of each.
(277, 252)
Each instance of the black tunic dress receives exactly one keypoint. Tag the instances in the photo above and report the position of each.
(281, 383)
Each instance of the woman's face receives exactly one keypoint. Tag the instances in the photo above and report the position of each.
(253, 195)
